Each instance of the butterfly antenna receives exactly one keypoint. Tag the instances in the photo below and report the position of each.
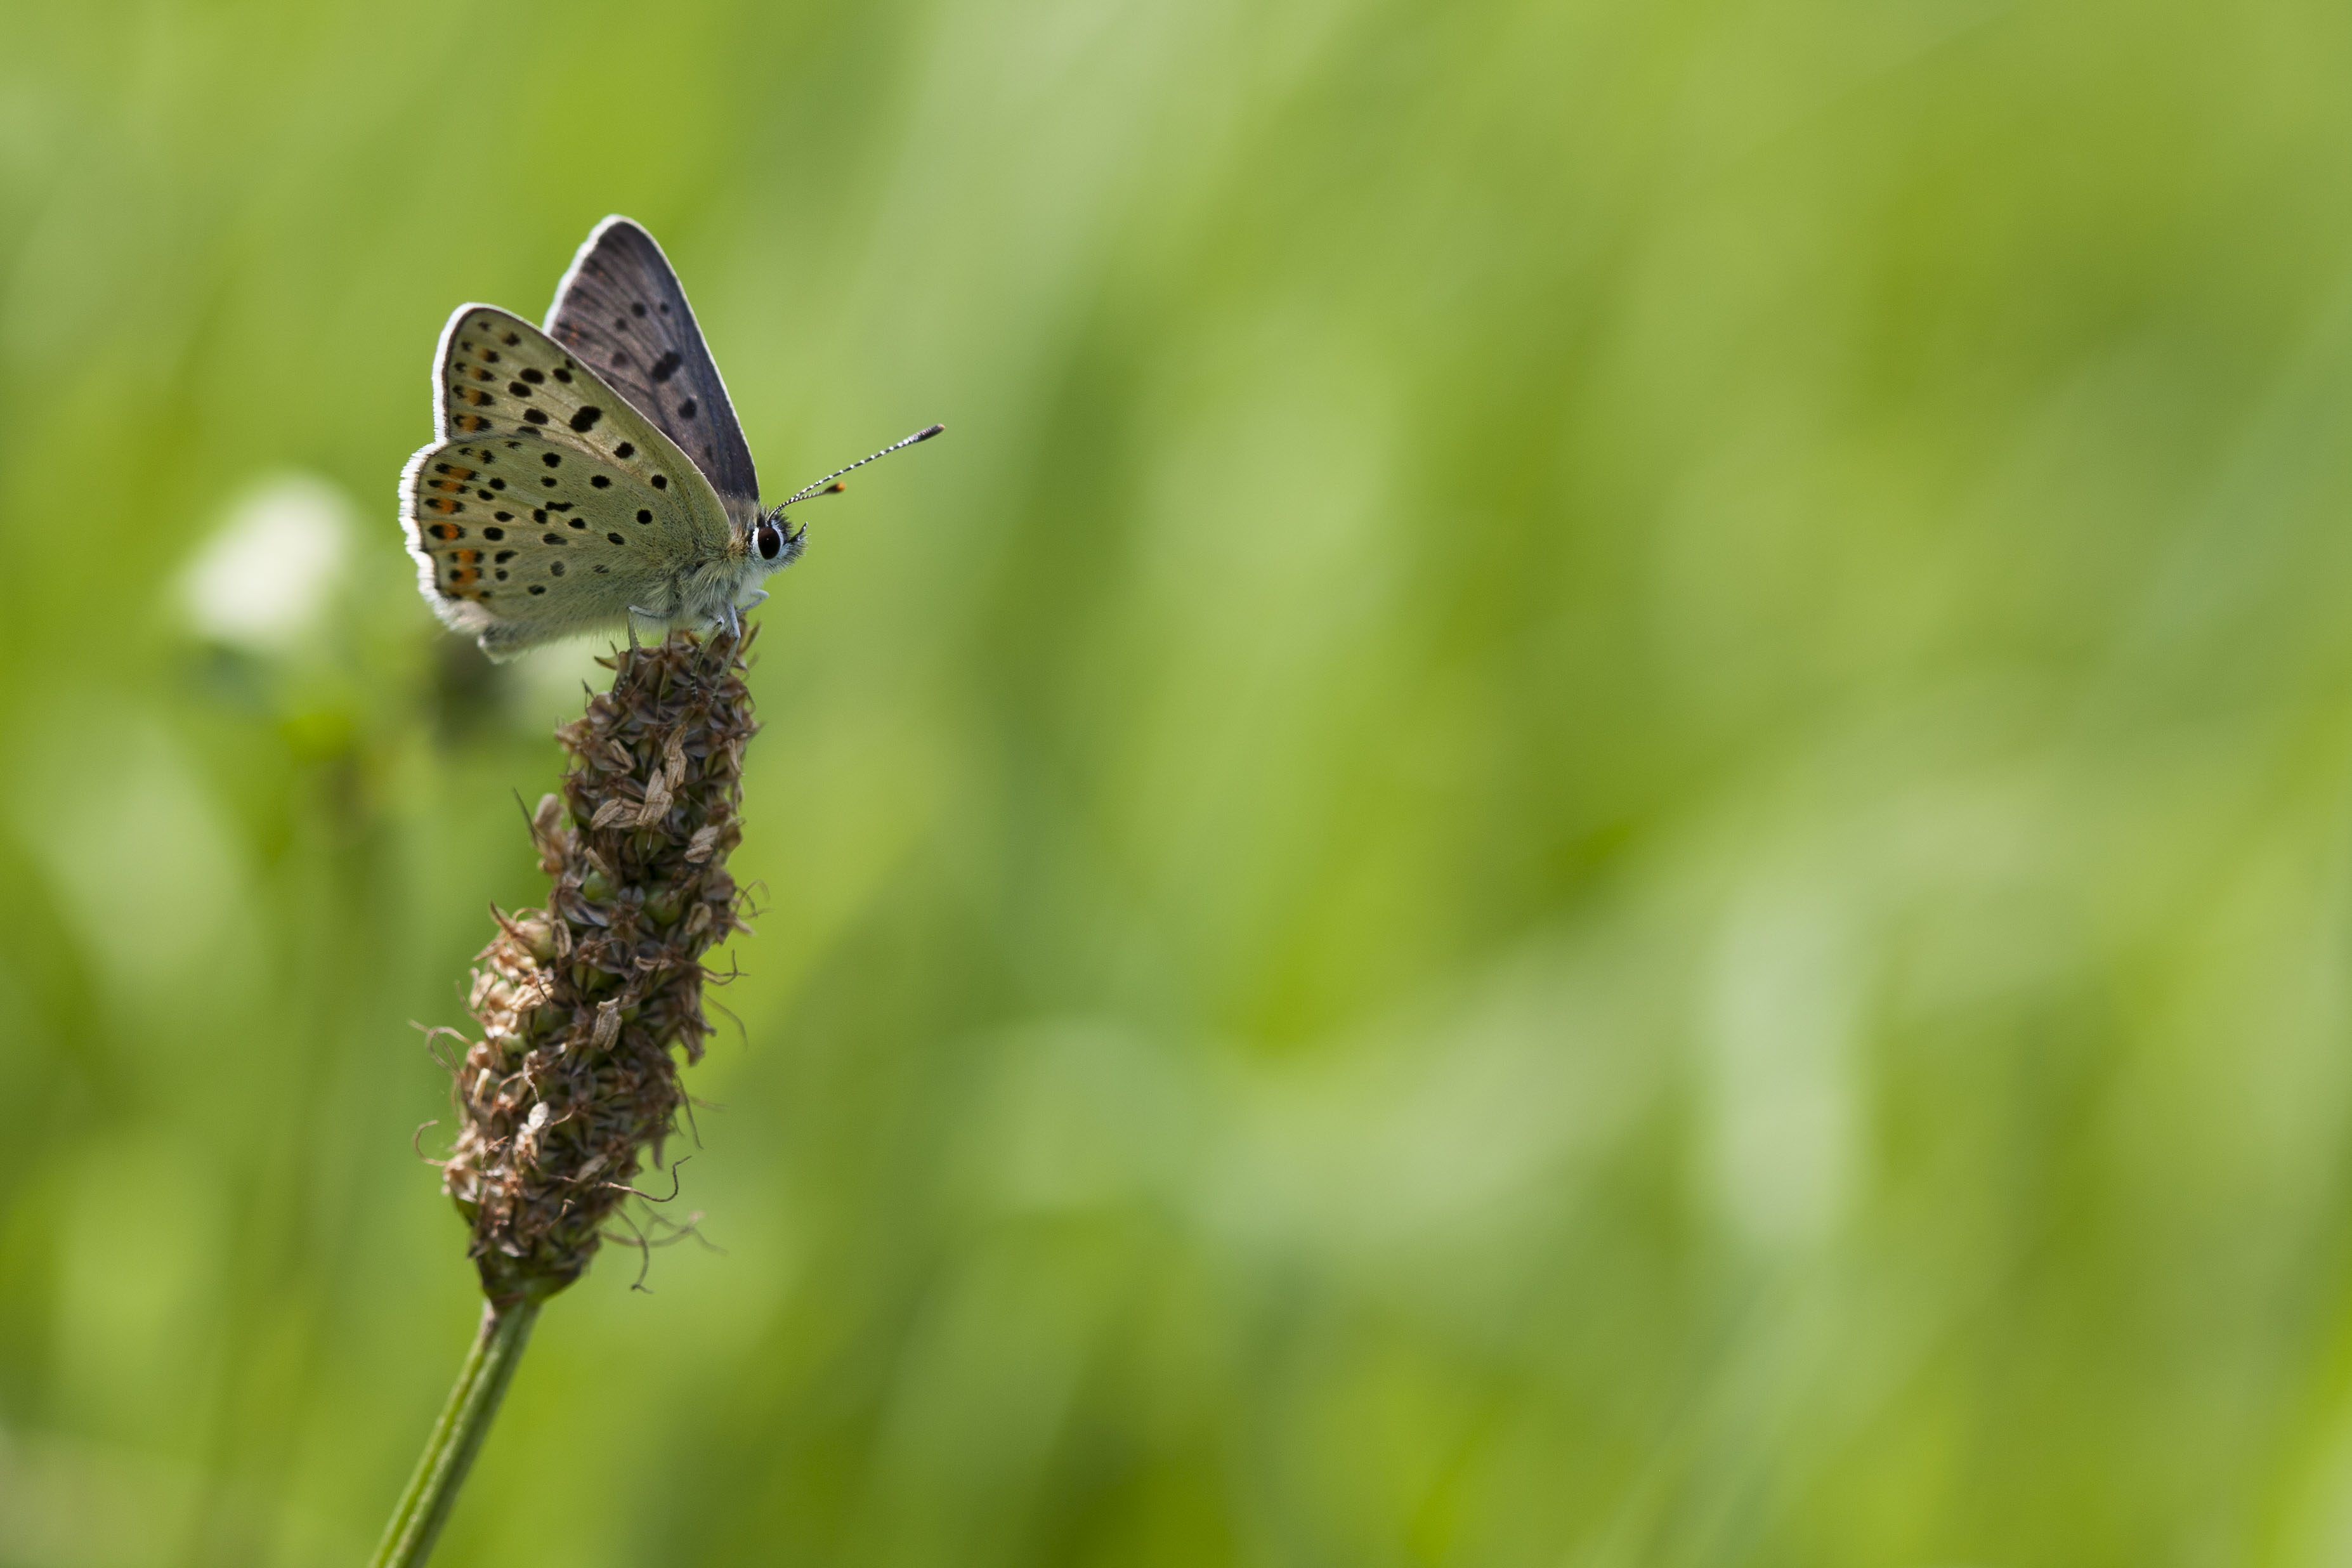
(830, 482)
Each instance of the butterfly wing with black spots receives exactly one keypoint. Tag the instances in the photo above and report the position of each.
(621, 310)
(548, 506)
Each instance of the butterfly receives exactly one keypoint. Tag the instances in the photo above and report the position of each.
(592, 473)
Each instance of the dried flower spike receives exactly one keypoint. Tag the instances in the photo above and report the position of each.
(581, 1004)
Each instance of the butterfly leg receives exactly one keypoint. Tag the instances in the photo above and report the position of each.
(759, 597)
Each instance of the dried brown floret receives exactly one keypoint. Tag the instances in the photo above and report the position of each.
(583, 1005)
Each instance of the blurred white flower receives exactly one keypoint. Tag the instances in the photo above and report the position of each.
(273, 565)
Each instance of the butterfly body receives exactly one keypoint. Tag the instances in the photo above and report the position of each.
(588, 474)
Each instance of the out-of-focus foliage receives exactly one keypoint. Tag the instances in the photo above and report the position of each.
(1595, 815)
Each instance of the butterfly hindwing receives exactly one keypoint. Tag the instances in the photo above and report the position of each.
(548, 506)
(500, 568)
(621, 310)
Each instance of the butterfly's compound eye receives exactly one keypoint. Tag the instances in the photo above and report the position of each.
(769, 540)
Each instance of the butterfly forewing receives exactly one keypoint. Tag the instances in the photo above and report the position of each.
(548, 505)
(497, 375)
(621, 310)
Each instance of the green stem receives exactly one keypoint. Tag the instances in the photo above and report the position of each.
(457, 1437)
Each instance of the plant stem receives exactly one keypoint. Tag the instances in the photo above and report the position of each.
(458, 1435)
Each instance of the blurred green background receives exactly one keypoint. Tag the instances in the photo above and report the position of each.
(1599, 813)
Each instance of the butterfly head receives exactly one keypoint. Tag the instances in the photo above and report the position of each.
(776, 543)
